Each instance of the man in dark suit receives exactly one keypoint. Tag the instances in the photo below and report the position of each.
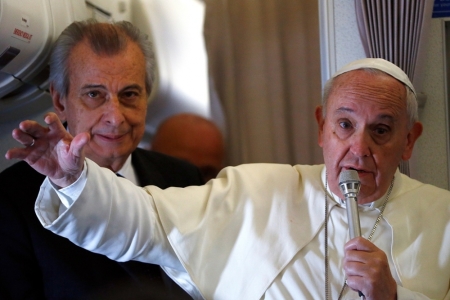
(100, 80)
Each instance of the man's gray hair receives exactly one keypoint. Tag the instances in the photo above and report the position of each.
(104, 39)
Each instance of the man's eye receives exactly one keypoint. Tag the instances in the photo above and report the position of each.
(345, 124)
(93, 94)
(130, 94)
(381, 134)
(381, 131)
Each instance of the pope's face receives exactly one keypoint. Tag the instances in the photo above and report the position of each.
(106, 98)
(366, 129)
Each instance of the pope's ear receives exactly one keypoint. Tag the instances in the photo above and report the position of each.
(413, 134)
(320, 122)
(59, 103)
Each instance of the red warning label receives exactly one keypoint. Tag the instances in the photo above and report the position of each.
(22, 35)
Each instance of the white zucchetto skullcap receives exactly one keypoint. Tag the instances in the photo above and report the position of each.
(379, 64)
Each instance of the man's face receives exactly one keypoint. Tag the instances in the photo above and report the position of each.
(106, 98)
(366, 129)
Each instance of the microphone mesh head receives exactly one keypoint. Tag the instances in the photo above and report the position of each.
(348, 175)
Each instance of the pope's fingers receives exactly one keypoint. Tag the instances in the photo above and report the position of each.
(374, 280)
(359, 243)
(53, 122)
(23, 137)
(16, 153)
(50, 117)
(78, 143)
(360, 260)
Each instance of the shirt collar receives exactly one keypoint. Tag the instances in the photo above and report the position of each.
(372, 205)
(127, 171)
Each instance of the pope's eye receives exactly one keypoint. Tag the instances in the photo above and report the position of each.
(345, 124)
(93, 94)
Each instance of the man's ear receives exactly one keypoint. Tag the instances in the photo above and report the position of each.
(412, 137)
(59, 103)
(320, 122)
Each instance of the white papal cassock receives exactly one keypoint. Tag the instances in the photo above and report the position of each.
(255, 232)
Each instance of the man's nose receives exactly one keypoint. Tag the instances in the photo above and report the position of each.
(361, 143)
(113, 113)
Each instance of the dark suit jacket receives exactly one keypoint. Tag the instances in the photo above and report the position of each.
(37, 264)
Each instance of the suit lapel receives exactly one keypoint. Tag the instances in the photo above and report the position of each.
(146, 170)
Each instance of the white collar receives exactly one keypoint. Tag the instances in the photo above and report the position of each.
(127, 171)
(375, 204)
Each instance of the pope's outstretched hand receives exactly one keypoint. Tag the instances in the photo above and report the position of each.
(51, 150)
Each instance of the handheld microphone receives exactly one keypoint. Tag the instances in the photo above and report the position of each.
(350, 184)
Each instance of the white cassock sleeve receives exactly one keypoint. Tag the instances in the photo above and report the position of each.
(125, 229)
